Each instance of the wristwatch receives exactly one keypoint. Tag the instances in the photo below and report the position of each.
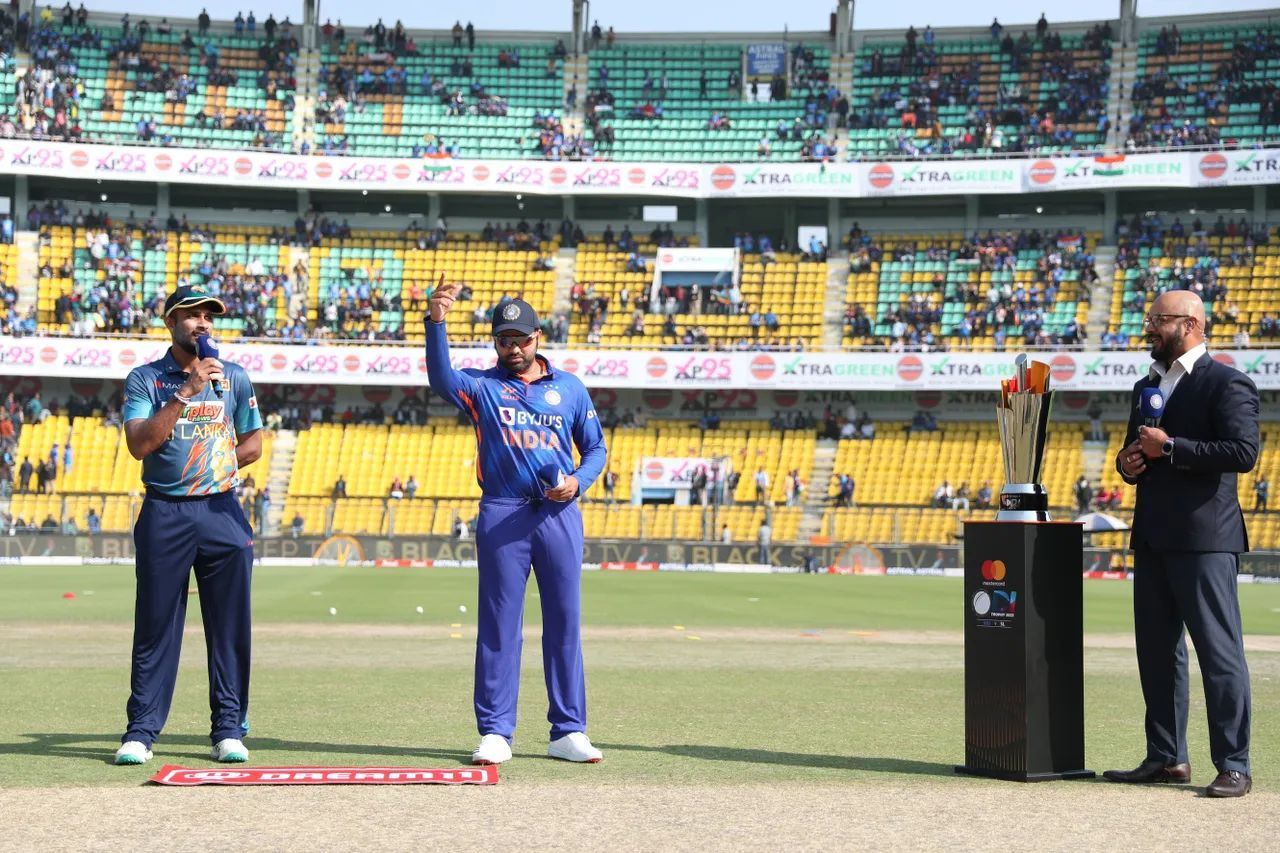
(1167, 447)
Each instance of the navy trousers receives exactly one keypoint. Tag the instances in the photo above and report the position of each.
(172, 536)
(1173, 589)
(512, 536)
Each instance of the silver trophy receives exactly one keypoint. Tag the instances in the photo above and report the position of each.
(1023, 415)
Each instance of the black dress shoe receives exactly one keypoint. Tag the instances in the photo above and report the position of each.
(1152, 771)
(1230, 783)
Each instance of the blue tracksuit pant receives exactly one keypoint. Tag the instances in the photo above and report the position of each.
(172, 536)
(513, 534)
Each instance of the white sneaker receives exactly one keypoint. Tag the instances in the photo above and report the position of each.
(132, 752)
(229, 751)
(574, 746)
(493, 749)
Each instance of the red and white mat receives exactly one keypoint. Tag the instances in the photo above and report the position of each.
(172, 774)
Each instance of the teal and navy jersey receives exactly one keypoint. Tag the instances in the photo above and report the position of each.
(199, 457)
(520, 427)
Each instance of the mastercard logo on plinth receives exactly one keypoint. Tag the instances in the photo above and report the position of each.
(993, 570)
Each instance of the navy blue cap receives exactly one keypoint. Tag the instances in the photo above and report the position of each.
(191, 295)
(515, 316)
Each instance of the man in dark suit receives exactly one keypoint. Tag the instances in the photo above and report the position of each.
(1188, 533)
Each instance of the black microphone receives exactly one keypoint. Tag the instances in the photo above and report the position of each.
(1152, 406)
(206, 348)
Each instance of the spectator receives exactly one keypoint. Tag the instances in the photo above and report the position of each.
(1083, 494)
(984, 498)
(340, 487)
(726, 535)
(295, 526)
(93, 522)
(764, 538)
(762, 485)
(1261, 491)
(411, 487)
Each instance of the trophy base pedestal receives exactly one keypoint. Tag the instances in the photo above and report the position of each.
(1023, 502)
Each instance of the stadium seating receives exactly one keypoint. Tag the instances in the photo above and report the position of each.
(958, 452)
(392, 123)
(101, 75)
(1253, 286)
(1183, 98)
(887, 286)
(976, 65)
(393, 261)
(681, 133)
(792, 288)
(103, 475)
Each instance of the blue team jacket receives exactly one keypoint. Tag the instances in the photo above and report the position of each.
(520, 427)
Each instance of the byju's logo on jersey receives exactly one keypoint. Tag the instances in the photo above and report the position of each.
(507, 415)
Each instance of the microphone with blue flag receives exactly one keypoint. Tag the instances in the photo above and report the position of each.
(206, 348)
(1152, 406)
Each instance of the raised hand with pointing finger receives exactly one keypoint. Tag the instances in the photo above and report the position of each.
(442, 299)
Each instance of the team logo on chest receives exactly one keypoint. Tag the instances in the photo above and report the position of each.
(552, 397)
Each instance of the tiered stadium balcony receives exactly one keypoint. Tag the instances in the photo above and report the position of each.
(102, 75)
(957, 452)
(152, 273)
(407, 274)
(103, 475)
(1213, 87)
(392, 123)
(884, 287)
(681, 133)
(1251, 276)
(977, 70)
(792, 288)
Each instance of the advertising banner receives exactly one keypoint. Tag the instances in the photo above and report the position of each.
(667, 370)
(259, 169)
(665, 472)
(767, 59)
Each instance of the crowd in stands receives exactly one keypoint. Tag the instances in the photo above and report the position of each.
(1004, 308)
(1176, 123)
(1073, 92)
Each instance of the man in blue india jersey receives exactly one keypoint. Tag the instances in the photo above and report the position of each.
(528, 418)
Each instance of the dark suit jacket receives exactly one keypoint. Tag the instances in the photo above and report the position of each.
(1190, 504)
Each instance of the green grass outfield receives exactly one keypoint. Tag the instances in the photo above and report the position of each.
(691, 677)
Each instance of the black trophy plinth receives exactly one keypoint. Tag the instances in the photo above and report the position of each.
(1023, 651)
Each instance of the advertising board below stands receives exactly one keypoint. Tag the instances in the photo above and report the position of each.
(770, 179)
(102, 358)
(609, 555)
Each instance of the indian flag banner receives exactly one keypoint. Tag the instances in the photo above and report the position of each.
(1108, 166)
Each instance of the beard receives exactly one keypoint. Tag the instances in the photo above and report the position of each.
(519, 361)
(1164, 345)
